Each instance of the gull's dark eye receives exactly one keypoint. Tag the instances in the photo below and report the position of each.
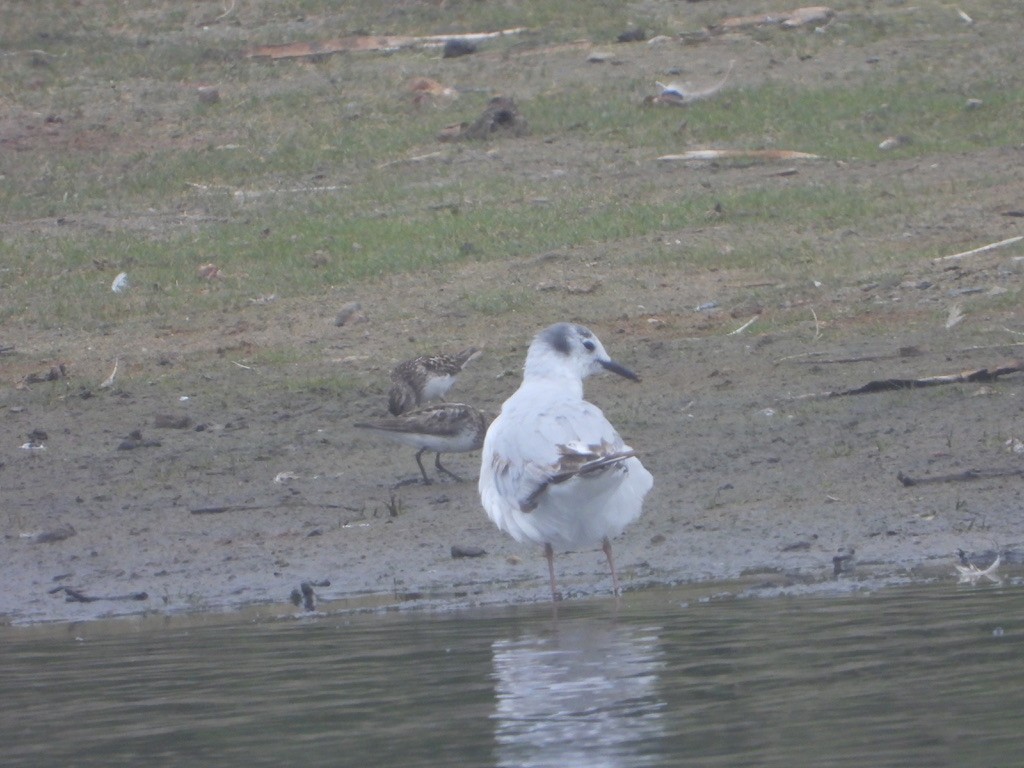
(588, 345)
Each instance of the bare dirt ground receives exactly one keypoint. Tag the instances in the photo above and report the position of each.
(267, 488)
(239, 486)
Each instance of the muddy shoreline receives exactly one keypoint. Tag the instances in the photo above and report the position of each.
(253, 490)
(220, 469)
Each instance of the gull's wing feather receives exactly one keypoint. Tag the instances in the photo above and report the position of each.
(567, 439)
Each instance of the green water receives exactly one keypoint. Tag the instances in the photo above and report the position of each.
(926, 676)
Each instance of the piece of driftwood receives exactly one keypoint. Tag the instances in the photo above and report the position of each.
(73, 595)
(743, 327)
(798, 17)
(741, 154)
(889, 385)
(822, 358)
(369, 43)
(977, 347)
(958, 477)
(982, 249)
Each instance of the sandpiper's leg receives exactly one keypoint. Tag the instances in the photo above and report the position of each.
(437, 463)
(607, 547)
(549, 553)
(426, 480)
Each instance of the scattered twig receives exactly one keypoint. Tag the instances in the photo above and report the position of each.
(229, 9)
(393, 506)
(73, 595)
(32, 52)
(240, 365)
(223, 508)
(743, 327)
(978, 347)
(741, 154)
(369, 43)
(888, 385)
(818, 358)
(414, 159)
(109, 381)
(955, 317)
(982, 249)
(798, 17)
(241, 195)
(227, 508)
(817, 324)
(958, 477)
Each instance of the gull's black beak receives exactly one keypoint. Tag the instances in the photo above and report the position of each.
(611, 365)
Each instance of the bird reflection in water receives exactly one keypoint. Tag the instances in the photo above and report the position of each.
(586, 694)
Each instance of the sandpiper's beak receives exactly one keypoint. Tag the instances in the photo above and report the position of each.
(611, 365)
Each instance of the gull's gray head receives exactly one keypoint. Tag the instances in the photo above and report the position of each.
(567, 348)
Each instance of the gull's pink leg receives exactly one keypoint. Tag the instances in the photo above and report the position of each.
(607, 547)
(549, 553)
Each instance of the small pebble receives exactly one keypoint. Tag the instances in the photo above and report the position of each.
(634, 35)
(208, 94)
(459, 551)
(455, 48)
(352, 312)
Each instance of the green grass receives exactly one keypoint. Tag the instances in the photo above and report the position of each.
(335, 385)
(272, 149)
(216, 183)
(292, 255)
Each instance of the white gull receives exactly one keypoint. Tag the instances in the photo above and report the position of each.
(554, 470)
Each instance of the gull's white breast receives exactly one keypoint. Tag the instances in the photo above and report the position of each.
(522, 447)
